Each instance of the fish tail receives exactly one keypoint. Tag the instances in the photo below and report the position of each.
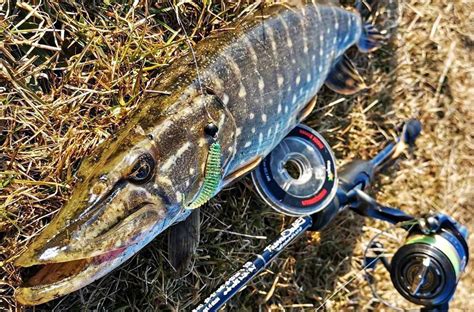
(380, 18)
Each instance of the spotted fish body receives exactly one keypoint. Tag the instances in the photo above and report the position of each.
(272, 69)
(253, 83)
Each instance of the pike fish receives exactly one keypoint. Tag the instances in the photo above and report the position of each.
(228, 105)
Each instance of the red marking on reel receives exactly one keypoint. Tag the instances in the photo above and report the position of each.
(312, 138)
(315, 199)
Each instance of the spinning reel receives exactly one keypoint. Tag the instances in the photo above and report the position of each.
(427, 268)
(299, 179)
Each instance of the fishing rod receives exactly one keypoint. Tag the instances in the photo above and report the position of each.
(299, 179)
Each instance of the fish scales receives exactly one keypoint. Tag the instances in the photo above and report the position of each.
(251, 83)
(283, 65)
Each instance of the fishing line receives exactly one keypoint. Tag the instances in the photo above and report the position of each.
(364, 269)
(204, 90)
(263, 21)
(349, 281)
(188, 42)
(212, 173)
(373, 288)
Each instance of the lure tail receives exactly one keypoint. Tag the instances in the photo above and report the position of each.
(212, 177)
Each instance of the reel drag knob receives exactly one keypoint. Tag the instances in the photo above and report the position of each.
(427, 268)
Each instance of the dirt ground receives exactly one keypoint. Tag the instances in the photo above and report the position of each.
(71, 73)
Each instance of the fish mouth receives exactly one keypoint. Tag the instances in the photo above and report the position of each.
(53, 280)
(83, 229)
(56, 245)
(68, 255)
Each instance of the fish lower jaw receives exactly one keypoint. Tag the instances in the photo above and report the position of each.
(43, 285)
(53, 280)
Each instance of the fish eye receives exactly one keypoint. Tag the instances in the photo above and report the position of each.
(142, 170)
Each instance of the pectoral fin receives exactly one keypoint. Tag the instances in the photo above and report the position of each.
(306, 111)
(344, 78)
(241, 171)
(183, 240)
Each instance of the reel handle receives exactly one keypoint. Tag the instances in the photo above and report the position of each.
(440, 308)
(411, 131)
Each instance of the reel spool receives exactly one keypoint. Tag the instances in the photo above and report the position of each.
(299, 176)
(427, 268)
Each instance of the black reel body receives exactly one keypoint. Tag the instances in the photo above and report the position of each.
(427, 268)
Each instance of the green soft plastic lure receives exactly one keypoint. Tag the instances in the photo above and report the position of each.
(212, 177)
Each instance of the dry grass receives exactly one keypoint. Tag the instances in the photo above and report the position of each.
(71, 73)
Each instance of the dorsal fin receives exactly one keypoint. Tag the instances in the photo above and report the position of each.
(344, 78)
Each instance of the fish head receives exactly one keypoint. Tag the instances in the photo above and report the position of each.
(132, 188)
